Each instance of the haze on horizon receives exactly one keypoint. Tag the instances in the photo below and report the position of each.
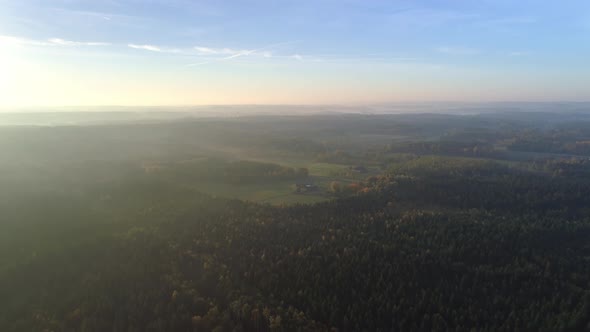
(177, 52)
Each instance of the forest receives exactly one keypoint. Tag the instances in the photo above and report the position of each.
(420, 222)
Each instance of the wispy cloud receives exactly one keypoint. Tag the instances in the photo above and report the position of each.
(229, 53)
(224, 54)
(154, 48)
(202, 55)
(297, 57)
(63, 42)
(239, 54)
(22, 41)
(458, 50)
(201, 50)
(198, 64)
(209, 54)
(146, 47)
(48, 42)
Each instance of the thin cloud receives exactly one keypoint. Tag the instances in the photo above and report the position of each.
(48, 42)
(198, 64)
(63, 42)
(230, 53)
(145, 47)
(239, 54)
(205, 50)
(22, 41)
(153, 48)
(209, 53)
(201, 50)
(227, 53)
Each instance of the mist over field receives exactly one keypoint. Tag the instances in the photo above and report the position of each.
(111, 114)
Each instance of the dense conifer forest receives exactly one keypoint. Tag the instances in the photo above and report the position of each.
(435, 239)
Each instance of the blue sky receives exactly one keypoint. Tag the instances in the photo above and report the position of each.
(180, 52)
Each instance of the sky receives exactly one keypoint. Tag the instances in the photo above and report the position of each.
(181, 52)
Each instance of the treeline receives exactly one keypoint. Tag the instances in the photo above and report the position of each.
(296, 145)
(445, 147)
(574, 141)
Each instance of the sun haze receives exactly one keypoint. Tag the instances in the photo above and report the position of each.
(59, 53)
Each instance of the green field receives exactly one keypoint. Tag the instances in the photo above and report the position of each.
(273, 192)
(282, 192)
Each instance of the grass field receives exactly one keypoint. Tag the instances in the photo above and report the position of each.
(282, 192)
(275, 192)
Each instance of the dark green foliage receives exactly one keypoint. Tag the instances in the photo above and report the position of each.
(234, 172)
(574, 141)
(445, 147)
(102, 229)
(440, 244)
